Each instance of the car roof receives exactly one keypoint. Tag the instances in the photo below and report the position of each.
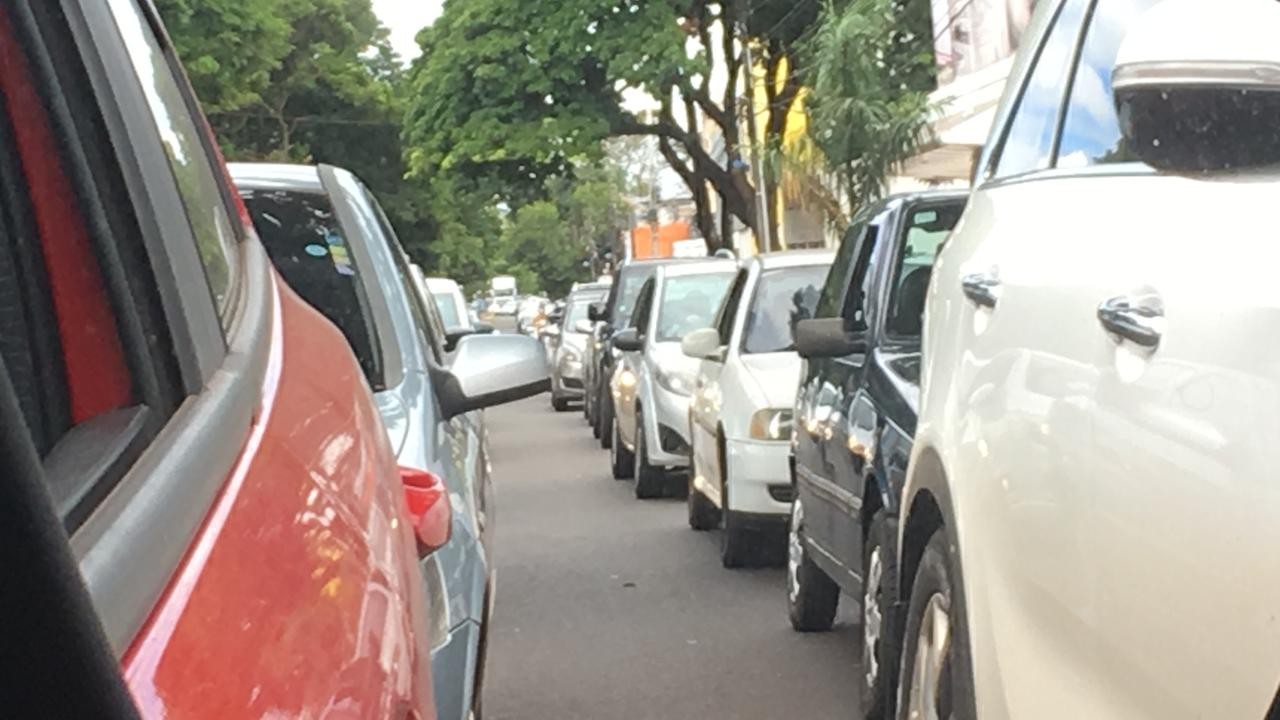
(795, 258)
(439, 284)
(281, 176)
(901, 200)
(697, 267)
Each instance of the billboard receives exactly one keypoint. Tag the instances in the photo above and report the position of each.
(970, 35)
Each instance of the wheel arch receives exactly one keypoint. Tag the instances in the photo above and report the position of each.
(926, 509)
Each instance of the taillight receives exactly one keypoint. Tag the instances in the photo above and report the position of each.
(429, 512)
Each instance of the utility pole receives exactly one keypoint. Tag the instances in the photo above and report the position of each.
(762, 192)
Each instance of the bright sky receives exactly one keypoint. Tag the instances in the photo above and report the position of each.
(405, 18)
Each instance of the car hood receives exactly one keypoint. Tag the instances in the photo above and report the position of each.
(776, 376)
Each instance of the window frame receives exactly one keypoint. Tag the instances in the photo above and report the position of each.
(1004, 120)
(137, 537)
(728, 312)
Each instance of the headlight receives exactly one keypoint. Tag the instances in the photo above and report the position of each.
(626, 379)
(599, 344)
(771, 424)
(569, 355)
(675, 381)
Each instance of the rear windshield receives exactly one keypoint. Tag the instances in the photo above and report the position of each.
(308, 247)
(690, 302)
(784, 297)
(578, 306)
(449, 311)
(626, 291)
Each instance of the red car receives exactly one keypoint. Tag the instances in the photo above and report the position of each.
(200, 514)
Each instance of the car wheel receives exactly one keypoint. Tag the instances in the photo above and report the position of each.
(812, 596)
(880, 645)
(936, 668)
(559, 404)
(621, 460)
(703, 514)
(650, 480)
(605, 417)
(738, 543)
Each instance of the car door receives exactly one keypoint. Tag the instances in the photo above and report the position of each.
(846, 444)
(625, 382)
(1183, 526)
(1025, 265)
(707, 403)
(816, 404)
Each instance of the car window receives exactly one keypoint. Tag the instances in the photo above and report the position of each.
(689, 302)
(1029, 140)
(448, 308)
(185, 146)
(310, 249)
(783, 297)
(838, 276)
(627, 291)
(729, 310)
(855, 310)
(1091, 132)
(925, 231)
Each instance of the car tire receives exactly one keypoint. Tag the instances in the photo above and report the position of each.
(650, 480)
(812, 596)
(936, 622)
(605, 417)
(703, 514)
(879, 638)
(738, 543)
(621, 460)
(559, 404)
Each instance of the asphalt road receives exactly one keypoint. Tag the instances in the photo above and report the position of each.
(611, 608)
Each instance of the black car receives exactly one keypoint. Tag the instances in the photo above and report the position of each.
(856, 415)
(610, 315)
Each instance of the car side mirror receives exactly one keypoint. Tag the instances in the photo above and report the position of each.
(827, 338)
(430, 512)
(702, 344)
(629, 340)
(1193, 99)
(586, 327)
(491, 370)
(597, 311)
(455, 334)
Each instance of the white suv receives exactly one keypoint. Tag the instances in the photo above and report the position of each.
(1093, 498)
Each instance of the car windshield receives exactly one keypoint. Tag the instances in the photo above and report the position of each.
(783, 297)
(629, 284)
(308, 247)
(926, 229)
(578, 308)
(449, 311)
(689, 302)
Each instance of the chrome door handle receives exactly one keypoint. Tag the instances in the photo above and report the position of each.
(982, 289)
(1140, 323)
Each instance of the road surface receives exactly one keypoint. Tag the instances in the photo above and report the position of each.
(611, 608)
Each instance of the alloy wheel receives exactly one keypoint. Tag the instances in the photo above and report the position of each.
(872, 616)
(930, 691)
(795, 551)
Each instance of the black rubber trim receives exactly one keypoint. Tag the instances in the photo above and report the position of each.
(132, 544)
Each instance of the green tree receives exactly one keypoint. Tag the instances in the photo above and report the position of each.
(873, 67)
(508, 92)
(540, 251)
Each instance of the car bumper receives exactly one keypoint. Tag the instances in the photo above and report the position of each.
(453, 671)
(667, 429)
(759, 477)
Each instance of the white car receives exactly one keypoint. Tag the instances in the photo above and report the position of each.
(653, 378)
(448, 297)
(744, 394)
(1093, 502)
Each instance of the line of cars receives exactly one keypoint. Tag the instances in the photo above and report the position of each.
(245, 473)
(1032, 433)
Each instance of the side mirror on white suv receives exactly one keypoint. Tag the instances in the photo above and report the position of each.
(1197, 86)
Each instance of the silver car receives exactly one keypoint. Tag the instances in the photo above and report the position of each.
(568, 345)
(653, 380)
(330, 240)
